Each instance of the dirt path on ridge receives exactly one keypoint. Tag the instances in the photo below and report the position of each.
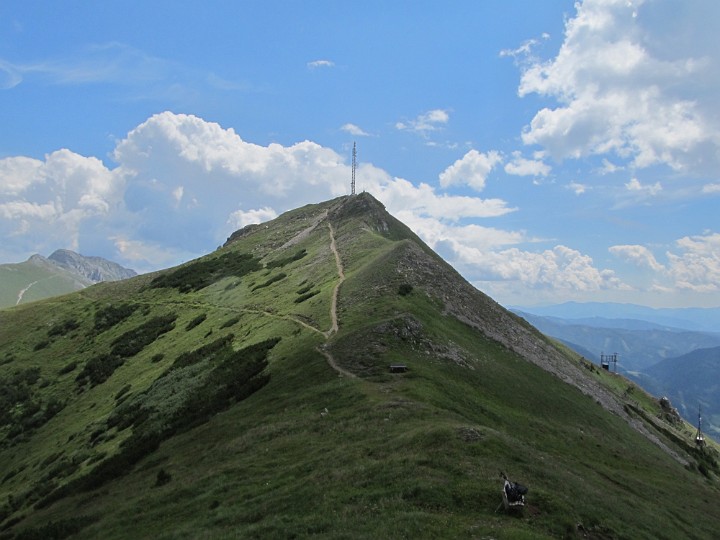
(341, 278)
(333, 309)
(322, 349)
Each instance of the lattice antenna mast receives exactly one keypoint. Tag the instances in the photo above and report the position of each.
(354, 166)
(605, 360)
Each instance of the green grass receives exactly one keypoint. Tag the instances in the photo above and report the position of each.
(311, 453)
(36, 281)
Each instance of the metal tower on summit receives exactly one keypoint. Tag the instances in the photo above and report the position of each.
(354, 165)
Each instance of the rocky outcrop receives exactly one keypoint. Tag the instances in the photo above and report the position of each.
(95, 269)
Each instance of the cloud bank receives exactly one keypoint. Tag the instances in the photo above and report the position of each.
(182, 185)
(627, 84)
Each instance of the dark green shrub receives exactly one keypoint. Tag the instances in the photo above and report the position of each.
(99, 369)
(304, 289)
(56, 530)
(405, 289)
(9, 358)
(135, 340)
(196, 321)
(270, 281)
(205, 352)
(111, 315)
(233, 376)
(68, 368)
(63, 328)
(230, 322)
(279, 263)
(22, 408)
(300, 299)
(17, 393)
(163, 477)
(124, 390)
(157, 358)
(237, 376)
(199, 274)
(41, 345)
(52, 407)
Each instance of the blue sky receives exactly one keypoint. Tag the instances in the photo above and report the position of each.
(550, 151)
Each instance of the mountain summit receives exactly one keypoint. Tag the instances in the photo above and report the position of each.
(95, 269)
(63, 272)
(325, 374)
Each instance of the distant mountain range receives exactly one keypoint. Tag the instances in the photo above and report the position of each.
(639, 344)
(62, 272)
(670, 352)
(696, 319)
(689, 381)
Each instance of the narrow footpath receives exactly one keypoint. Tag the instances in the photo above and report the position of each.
(341, 278)
(333, 309)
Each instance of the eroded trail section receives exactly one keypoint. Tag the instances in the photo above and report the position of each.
(341, 278)
(305, 232)
(333, 309)
(22, 292)
(333, 364)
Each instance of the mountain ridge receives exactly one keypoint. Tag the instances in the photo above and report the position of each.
(206, 399)
(63, 272)
(95, 269)
(696, 319)
(691, 382)
(639, 347)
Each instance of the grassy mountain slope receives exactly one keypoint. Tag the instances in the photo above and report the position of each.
(247, 395)
(63, 272)
(36, 279)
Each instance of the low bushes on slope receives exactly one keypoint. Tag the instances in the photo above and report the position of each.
(99, 368)
(110, 315)
(279, 263)
(197, 386)
(22, 408)
(199, 274)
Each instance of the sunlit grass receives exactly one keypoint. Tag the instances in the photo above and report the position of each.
(315, 453)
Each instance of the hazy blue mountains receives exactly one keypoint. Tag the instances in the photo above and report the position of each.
(681, 362)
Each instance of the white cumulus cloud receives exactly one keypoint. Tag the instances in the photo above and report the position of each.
(320, 64)
(182, 185)
(634, 185)
(626, 83)
(693, 264)
(240, 218)
(55, 201)
(429, 121)
(577, 188)
(559, 268)
(521, 166)
(352, 129)
(639, 255)
(697, 266)
(471, 170)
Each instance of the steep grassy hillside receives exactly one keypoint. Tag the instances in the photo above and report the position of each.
(63, 272)
(247, 395)
(36, 279)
